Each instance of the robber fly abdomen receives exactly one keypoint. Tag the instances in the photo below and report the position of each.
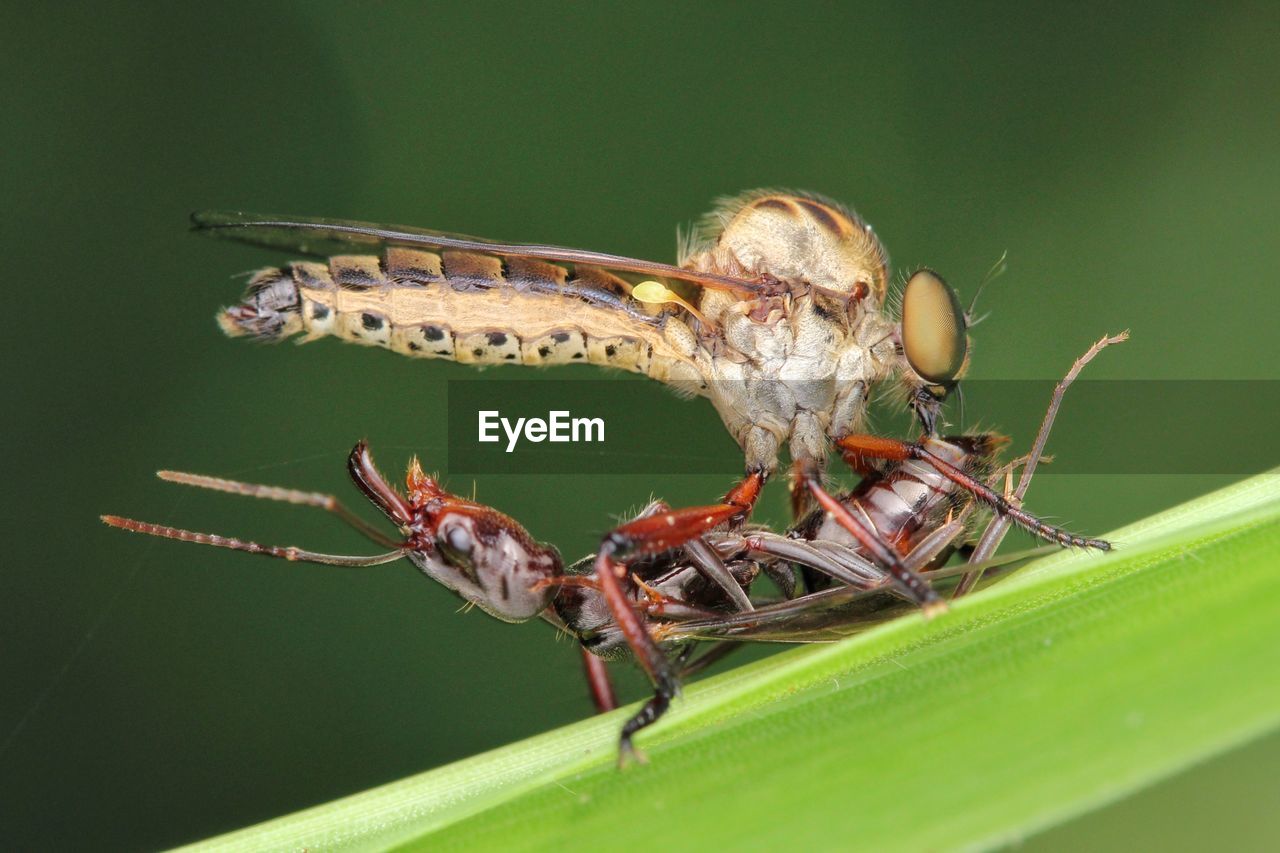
(467, 307)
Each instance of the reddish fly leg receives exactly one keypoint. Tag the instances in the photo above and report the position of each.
(653, 534)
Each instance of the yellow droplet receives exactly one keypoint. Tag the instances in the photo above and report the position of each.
(652, 292)
(656, 293)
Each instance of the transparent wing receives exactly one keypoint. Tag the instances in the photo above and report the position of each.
(324, 237)
(832, 614)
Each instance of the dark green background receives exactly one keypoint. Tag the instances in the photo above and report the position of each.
(154, 693)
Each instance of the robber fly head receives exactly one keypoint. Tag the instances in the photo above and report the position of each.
(479, 553)
(935, 343)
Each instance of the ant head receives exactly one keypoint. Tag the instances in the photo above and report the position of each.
(488, 559)
(479, 553)
(423, 488)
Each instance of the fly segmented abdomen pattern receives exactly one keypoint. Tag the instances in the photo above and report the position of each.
(467, 307)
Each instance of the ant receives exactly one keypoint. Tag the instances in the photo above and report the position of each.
(668, 579)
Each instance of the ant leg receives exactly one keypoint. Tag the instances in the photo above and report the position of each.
(706, 560)
(846, 564)
(583, 581)
(853, 570)
(657, 604)
(898, 451)
(783, 577)
(708, 563)
(601, 686)
(329, 503)
(971, 578)
(286, 552)
(651, 535)
(916, 587)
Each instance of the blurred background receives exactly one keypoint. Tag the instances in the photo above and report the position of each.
(154, 693)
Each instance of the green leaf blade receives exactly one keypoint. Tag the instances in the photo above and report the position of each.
(1081, 679)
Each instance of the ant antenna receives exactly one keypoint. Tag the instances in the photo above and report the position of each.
(287, 552)
(275, 493)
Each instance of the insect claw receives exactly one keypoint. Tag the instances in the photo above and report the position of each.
(629, 753)
(934, 608)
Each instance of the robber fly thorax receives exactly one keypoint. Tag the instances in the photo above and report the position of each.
(684, 583)
(775, 311)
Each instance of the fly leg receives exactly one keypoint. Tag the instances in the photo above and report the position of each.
(702, 556)
(654, 534)
(971, 578)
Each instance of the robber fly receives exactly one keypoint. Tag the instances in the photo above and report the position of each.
(681, 582)
(774, 311)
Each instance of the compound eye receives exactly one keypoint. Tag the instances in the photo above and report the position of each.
(933, 329)
(455, 545)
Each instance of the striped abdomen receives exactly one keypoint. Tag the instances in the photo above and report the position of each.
(468, 307)
(914, 497)
(911, 498)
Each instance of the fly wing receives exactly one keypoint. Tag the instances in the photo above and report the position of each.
(821, 617)
(832, 614)
(325, 237)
